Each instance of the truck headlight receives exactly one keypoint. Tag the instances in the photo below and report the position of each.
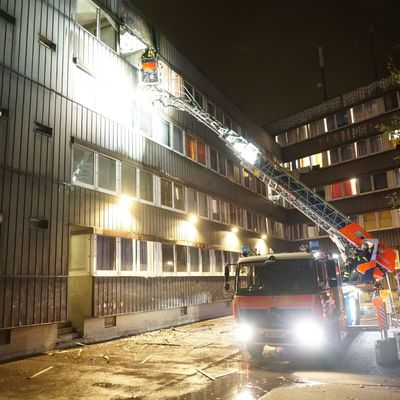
(244, 332)
(309, 334)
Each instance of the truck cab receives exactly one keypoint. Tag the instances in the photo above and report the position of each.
(287, 300)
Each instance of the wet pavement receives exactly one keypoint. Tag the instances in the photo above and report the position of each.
(196, 361)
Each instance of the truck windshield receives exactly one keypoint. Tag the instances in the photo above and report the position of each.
(277, 277)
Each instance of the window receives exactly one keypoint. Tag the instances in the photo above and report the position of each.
(249, 220)
(341, 189)
(166, 193)
(143, 256)
(219, 115)
(107, 173)
(199, 99)
(224, 212)
(167, 254)
(292, 136)
(205, 260)
(372, 108)
(181, 262)
(246, 179)
(203, 205)
(83, 166)
(192, 201)
(385, 219)
(391, 101)
(146, 186)
(375, 144)
(211, 108)
(179, 197)
(191, 147)
(346, 152)
(105, 253)
(342, 118)
(177, 137)
(144, 120)
(213, 160)
(188, 88)
(90, 17)
(126, 254)
(201, 153)
(229, 169)
(361, 148)
(227, 122)
(194, 259)
(380, 181)
(303, 134)
(221, 164)
(161, 133)
(128, 180)
(232, 214)
(370, 221)
(365, 184)
(330, 123)
(216, 210)
(236, 174)
(334, 156)
(316, 128)
(218, 261)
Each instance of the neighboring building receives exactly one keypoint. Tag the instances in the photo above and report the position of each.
(99, 189)
(336, 148)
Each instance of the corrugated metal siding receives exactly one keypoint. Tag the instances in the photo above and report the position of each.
(359, 167)
(117, 295)
(331, 106)
(338, 137)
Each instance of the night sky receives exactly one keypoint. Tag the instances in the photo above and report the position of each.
(263, 54)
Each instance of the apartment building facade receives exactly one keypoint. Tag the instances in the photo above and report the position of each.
(337, 149)
(115, 213)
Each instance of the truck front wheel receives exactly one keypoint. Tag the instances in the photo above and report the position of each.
(255, 350)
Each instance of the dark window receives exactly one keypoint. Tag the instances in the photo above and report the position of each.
(361, 148)
(83, 166)
(229, 169)
(146, 186)
(107, 173)
(194, 259)
(218, 261)
(380, 181)
(330, 123)
(391, 101)
(192, 201)
(177, 134)
(143, 261)
(346, 152)
(162, 132)
(334, 156)
(221, 164)
(342, 118)
(179, 197)
(167, 252)
(128, 180)
(126, 254)
(365, 184)
(205, 260)
(105, 253)
(375, 144)
(181, 263)
(166, 193)
(213, 160)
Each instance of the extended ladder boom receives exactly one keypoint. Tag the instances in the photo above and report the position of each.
(338, 226)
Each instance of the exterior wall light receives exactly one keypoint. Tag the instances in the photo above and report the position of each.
(263, 236)
(193, 219)
(235, 229)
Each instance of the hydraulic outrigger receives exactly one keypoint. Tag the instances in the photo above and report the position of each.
(344, 233)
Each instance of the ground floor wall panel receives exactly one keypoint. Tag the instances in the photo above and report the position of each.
(117, 295)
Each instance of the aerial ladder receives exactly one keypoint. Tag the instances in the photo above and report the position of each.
(352, 240)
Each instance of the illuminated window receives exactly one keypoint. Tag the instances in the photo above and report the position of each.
(105, 253)
(316, 128)
(167, 254)
(83, 166)
(191, 147)
(246, 179)
(201, 153)
(370, 221)
(128, 180)
(146, 185)
(385, 219)
(97, 22)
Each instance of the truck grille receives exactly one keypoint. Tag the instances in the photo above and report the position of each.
(273, 318)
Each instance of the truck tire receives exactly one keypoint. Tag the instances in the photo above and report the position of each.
(255, 350)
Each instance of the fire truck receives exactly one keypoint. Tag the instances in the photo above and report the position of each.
(318, 296)
(291, 300)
